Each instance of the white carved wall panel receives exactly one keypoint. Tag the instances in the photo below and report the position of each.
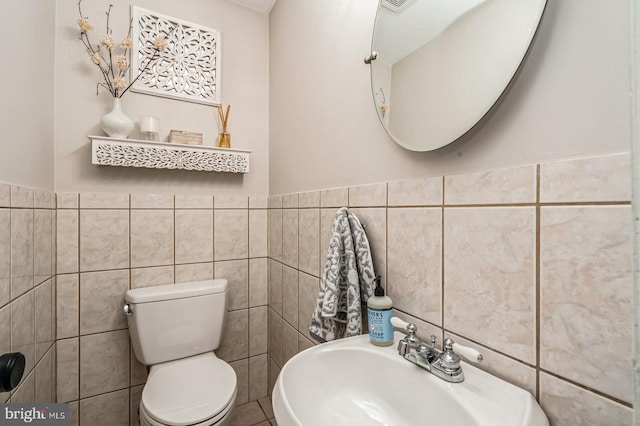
(188, 69)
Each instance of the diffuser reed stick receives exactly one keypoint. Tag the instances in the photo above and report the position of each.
(224, 138)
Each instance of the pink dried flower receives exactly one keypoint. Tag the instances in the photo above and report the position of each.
(120, 83)
(107, 41)
(95, 58)
(122, 62)
(126, 43)
(84, 25)
(160, 43)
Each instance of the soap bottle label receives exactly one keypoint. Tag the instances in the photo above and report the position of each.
(380, 329)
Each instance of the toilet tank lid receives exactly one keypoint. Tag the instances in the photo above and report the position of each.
(175, 291)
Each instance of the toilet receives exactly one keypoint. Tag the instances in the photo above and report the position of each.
(174, 330)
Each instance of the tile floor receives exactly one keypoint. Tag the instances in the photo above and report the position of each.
(258, 413)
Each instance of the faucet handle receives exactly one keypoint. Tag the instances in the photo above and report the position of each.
(467, 352)
(409, 327)
(397, 322)
(449, 360)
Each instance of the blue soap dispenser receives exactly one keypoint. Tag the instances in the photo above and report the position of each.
(379, 310)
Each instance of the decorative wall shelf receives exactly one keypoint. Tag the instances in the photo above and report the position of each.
(107, 151)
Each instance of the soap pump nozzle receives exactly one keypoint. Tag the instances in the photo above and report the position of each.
(379, 291)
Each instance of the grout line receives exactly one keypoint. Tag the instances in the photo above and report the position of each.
(442, 263)
(175, 239)
(128, 341)
(537, 284)
(78, 274)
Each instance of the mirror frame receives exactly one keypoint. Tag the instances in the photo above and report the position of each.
(453, 124)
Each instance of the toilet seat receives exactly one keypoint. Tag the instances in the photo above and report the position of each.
(197, 390)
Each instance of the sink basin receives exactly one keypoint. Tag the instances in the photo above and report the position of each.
(352, 382)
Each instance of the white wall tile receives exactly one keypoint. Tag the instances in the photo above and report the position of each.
(235, 341)
(258, 282)
(101, 301)
(194, 272)
(67, 200)
(67, 366)
(290, 201)
(104, 363)
(109, 409)
(5, 256)
(586, 296)
(151, 201)
(416, 192)
(104, 239)
(104, 201)
(67, 305)
(194, 236)
(290, 237)
(275, 234)
(152, 238)
(309, 199)
(258, 233)
(335, 197)
(258, 331)
(231, 235)
(231, 202)
(512, 185)
(67, 241)
(489, 277)
(22, 277)
(153, 276)
(45, 328)
(414, 262)
(258, 202)
(193, 201)
(309, 241)
(236, 272)
(5, 195)
(374, 195)
(21, 197)
(604, 178)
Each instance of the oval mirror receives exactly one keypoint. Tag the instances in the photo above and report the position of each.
(442, 64)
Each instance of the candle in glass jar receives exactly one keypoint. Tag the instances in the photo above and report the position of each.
(149, 124)
(149, 128)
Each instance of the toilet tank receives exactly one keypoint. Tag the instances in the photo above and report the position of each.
(175, 321)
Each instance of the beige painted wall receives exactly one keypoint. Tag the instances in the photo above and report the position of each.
(569, 100)
(245, 41)
(27, 40)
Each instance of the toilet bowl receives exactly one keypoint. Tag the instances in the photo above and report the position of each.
(174, 330)
(198, 390)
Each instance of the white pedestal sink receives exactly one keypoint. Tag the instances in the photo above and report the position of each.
(354, 383)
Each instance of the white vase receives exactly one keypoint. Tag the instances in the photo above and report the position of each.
(115, 123)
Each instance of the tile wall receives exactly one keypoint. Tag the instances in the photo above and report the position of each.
(27, 289)
(108, 243)
(530, 265)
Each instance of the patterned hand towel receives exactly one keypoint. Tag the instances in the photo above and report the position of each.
(347, 281)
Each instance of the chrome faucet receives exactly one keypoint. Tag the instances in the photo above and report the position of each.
(444, 363)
